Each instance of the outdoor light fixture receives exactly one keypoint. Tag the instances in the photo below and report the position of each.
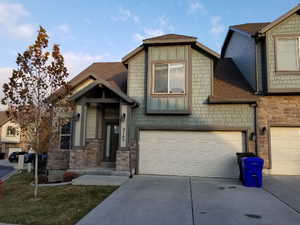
(123, 116)
(252, 136)
(77, 117)
(263, 130)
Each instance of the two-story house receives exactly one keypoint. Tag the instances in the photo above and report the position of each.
(268, 55)
(10, 135)
(171, 107)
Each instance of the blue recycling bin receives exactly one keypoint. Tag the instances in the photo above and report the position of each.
(252, 171)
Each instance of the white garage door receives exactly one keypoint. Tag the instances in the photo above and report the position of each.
(11, 150)
(190, 153)
(285, 150)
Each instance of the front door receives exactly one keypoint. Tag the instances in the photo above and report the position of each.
(111, 142)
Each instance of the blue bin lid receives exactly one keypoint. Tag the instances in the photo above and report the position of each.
(252, 160)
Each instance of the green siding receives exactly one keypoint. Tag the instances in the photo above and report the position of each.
(290, 26)
(203, 114)
(161, 104)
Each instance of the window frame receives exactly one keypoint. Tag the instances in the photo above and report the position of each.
(66, 135)
(277, 38)
(13, 127)
(155, 94)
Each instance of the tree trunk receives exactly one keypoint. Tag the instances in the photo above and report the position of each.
(36, 178)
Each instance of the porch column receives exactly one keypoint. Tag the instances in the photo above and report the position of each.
(123, 153)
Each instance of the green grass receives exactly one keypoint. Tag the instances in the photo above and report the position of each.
(60, 205)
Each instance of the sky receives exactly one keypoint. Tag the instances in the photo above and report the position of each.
(106, 30)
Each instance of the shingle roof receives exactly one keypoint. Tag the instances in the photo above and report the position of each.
(113, 72)
(250, 28)
(170, 37)
(229, 83)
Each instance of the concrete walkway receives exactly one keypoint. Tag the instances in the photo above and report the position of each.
(100, 180)
(190, 201)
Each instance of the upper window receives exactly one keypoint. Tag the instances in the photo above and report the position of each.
(65, 135)
(169, 78)
(288, 54)
(11, 131)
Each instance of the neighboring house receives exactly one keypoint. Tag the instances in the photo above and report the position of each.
(268, 55)
(171, 107)
(10, 135)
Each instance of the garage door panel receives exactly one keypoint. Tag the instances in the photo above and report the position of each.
(189, 153)
(285, 150)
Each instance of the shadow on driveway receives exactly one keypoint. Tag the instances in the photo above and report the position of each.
(285, 188)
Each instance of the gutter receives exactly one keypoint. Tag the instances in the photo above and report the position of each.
(220, 100)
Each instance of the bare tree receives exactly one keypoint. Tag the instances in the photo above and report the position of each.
(40, 74)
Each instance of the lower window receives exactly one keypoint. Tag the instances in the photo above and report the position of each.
(65, 134)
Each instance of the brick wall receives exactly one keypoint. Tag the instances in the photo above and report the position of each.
(275, 110)
(290, 26)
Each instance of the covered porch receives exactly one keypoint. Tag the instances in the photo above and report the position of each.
(100, 128)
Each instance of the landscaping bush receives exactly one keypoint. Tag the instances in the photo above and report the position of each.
(69, 176)
(43, 179)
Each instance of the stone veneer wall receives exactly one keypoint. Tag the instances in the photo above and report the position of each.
(124, 157)
(58, 160)
(275, 110)
(88, 157)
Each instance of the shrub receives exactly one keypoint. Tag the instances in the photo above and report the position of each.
(69, 176)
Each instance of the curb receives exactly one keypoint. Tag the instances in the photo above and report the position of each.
(8, 176)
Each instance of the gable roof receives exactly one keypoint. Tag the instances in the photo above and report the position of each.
(296, 9)
(229, 85)
(255, 29)
(113, 72)
(250, 28)
(100, 82)
(170, 39)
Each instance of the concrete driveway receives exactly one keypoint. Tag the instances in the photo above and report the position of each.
(190, 201)
(285, 188)
(5, 168)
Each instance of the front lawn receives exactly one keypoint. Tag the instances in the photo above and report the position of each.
(60, 205)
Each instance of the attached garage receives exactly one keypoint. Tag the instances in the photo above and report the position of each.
(285, 150)
(190, 153)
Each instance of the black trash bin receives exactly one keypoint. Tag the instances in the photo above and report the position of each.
(2, 155)
(241, 155)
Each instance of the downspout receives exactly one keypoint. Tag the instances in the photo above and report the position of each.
(256, 128)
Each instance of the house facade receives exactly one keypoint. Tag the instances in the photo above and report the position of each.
(10, 135)
(162, 110)
(173, 106)
(268, 56)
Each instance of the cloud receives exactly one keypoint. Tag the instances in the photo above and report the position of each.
(12, 16)
(64, 28)
(78, 61)
(164, 23)
(147, 33)
(87, 21)
(126, 15)
(196, 6)
(217, 27)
